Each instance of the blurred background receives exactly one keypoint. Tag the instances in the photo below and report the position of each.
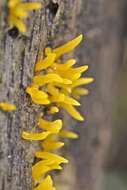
(99, 157)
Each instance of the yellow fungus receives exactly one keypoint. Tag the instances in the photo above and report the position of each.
(57, 98)
(7, 106)
(35, 93)
(60, 83)
(66, 81)
(45, 63)
(52, 89)
(46, 184)
(68, 134)
(14, 21)
(38, 96)
(65, 99)
(72, 73)
(18, 10)
(12, 3)
(53, 110)
(53, 127)
(63, 86)
(38, 170)
(41, 80)
(81, 81)
(41, 102)
(68, 46)
(51, 145)
(80, 91)
(79, 69)
(72, 111)
(71, 101)
(48, 50)
(51, 156)
(30, 6)
(35, 136)
(64, 66)
(43, 167)
(69, 74)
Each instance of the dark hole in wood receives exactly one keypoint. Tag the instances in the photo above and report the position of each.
(13, 32)
(53, 7)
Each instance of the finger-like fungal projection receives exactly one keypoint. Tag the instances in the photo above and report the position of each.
(7, 106)
(18, 10)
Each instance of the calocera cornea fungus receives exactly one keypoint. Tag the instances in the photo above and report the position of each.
(18, 10)
(5, 106)
(57, 87)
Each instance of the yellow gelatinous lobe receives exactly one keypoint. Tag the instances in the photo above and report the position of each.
(46, 184)
(53, 110)
(72, 73)
(17, 10)
(34, 92)
(66, 81)
(41, 102)
(38, 170)
(52, 89)
(41, 80)
(48, 50)
(68, 134)
(71, 101)
(82, 81)
(80, 91)
(72, 111)
(35, 136)
(61, 97)
(80, 69)
(7, 106)
(57, 98)
(37, 96)
(53, 127)
(51, 145)
(14, 21)
(77, 92)
(43, 64)
(63, 86)
(64, 66)
(69, 75)
(51, 156)
(67, 47)
(30, 6)
(43, 167)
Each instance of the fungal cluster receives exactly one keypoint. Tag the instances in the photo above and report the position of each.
(54, 85)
